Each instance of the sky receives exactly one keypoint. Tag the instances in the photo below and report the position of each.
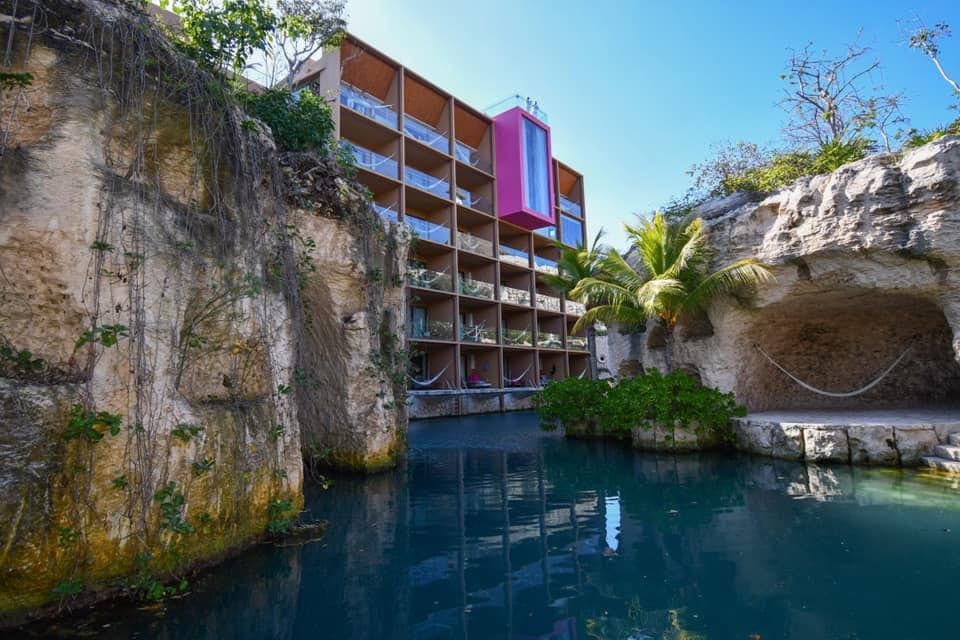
(638, 91)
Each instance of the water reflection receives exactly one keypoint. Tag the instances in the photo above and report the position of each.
(495, 530)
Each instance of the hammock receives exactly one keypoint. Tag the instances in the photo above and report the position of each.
(421, 276)
(427, 383)
(519, 377)
(582, 373)
(833, 394)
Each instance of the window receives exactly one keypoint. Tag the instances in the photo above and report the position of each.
(418, 322)
(536, 169)
(572, 231)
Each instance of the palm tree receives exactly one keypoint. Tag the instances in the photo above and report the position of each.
(575, 264)
(670, 281)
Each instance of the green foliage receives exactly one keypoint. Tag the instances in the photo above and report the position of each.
(280, 516)
(22, 361)
(184, 432)
(223, 34)
(569, 401)
(145, 583)
(299, 122)
(90, 425)
(15, 80)
(67, 536)
(916, 138)
(574, 265)
(103, 247)
(68, 588)
(200, 467)
(171, 503)
(108, 335)
(277, 432)
(120, 482)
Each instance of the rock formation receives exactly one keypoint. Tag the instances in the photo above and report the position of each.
(184, 315)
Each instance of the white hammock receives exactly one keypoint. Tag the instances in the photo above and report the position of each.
(582, 373)
(833, 394)
(427, 383)
(519, 377)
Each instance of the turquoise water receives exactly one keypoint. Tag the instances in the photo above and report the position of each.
(496, 530)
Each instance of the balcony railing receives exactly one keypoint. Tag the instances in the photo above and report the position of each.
(474, 201)
(514, 256)
(468, 155)
(372, 160)
(521, 337)
(427, 230)
(577, 342)
(570, 206)
(426, 134)
(515, 296)
(476, 288)
(575, 308)
(545, 264)
(475, 244)
(427, 182)
(433, 330)
(418, 276)
(386, 213)
(549, 340)
(368, 105)
(547, 232)
(478, 333)
(548, 303)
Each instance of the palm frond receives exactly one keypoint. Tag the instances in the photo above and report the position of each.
(727, 280)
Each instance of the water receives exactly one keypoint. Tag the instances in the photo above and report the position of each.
(496, 530)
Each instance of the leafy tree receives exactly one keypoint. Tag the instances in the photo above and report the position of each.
(306, 27)
(672, 280)
(298, 123)
(927, 41)
(224, 34)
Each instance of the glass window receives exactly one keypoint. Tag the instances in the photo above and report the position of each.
(536, 169)
(572, 231)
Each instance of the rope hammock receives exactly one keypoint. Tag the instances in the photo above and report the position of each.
(519, 377)
(421, 275)
(833, 394)
(427, 383)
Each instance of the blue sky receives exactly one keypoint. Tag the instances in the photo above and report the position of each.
(639, 91)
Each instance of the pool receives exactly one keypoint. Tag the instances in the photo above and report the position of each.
(497, 530)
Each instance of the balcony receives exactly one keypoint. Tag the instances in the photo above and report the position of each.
(368, 105)
(518, 337)
(515, 296)
(476, 288)
(576, 308)
(422, 132)
(372, 160)
(514, 256)
(547, 340)
(386, 213)
(570, 206)
(468, 155)
(474, 244)
(577, 342)
(474, 201)
(426, 230)
(427, 182)
(478, 333)
(547, 232)
(545, 265)
(419, 276)
(548, 303)
(433, 330)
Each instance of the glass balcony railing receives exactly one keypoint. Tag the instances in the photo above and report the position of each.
(433, 330)
(476, 288)
(427, 230)
(368, 105)
(427, 182)
(514, 256)
(474, 244)
(545, 264)
(419, 276)
(547, 232)
(468, 155)
(478, 333)
(521, 337)
(549, 340)
(372, 160)
(426, 134)
(577, 342)
(386, 213)
(548, 303)
(570, 206)
(575, 308)
(515, 296)
(474, 201)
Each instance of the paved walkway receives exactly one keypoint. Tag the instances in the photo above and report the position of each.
(879, 417)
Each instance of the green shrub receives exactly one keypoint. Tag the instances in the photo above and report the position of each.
(917, 138)
(301, 123)
(569, 401)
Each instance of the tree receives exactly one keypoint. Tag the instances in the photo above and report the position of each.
(306, 27)
(672, 280)
(728, 161)
(223, 35)
(926, 40)
(574, 265)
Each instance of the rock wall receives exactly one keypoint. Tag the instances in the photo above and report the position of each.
(183, 315)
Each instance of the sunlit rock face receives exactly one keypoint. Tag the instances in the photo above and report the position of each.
(176, 328)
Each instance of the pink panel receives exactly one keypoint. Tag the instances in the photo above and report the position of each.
(508, 137)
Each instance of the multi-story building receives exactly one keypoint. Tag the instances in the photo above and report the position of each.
(486, 201)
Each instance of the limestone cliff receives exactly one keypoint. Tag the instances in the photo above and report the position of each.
(184, 314)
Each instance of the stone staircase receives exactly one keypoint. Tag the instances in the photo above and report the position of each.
(946, 457)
